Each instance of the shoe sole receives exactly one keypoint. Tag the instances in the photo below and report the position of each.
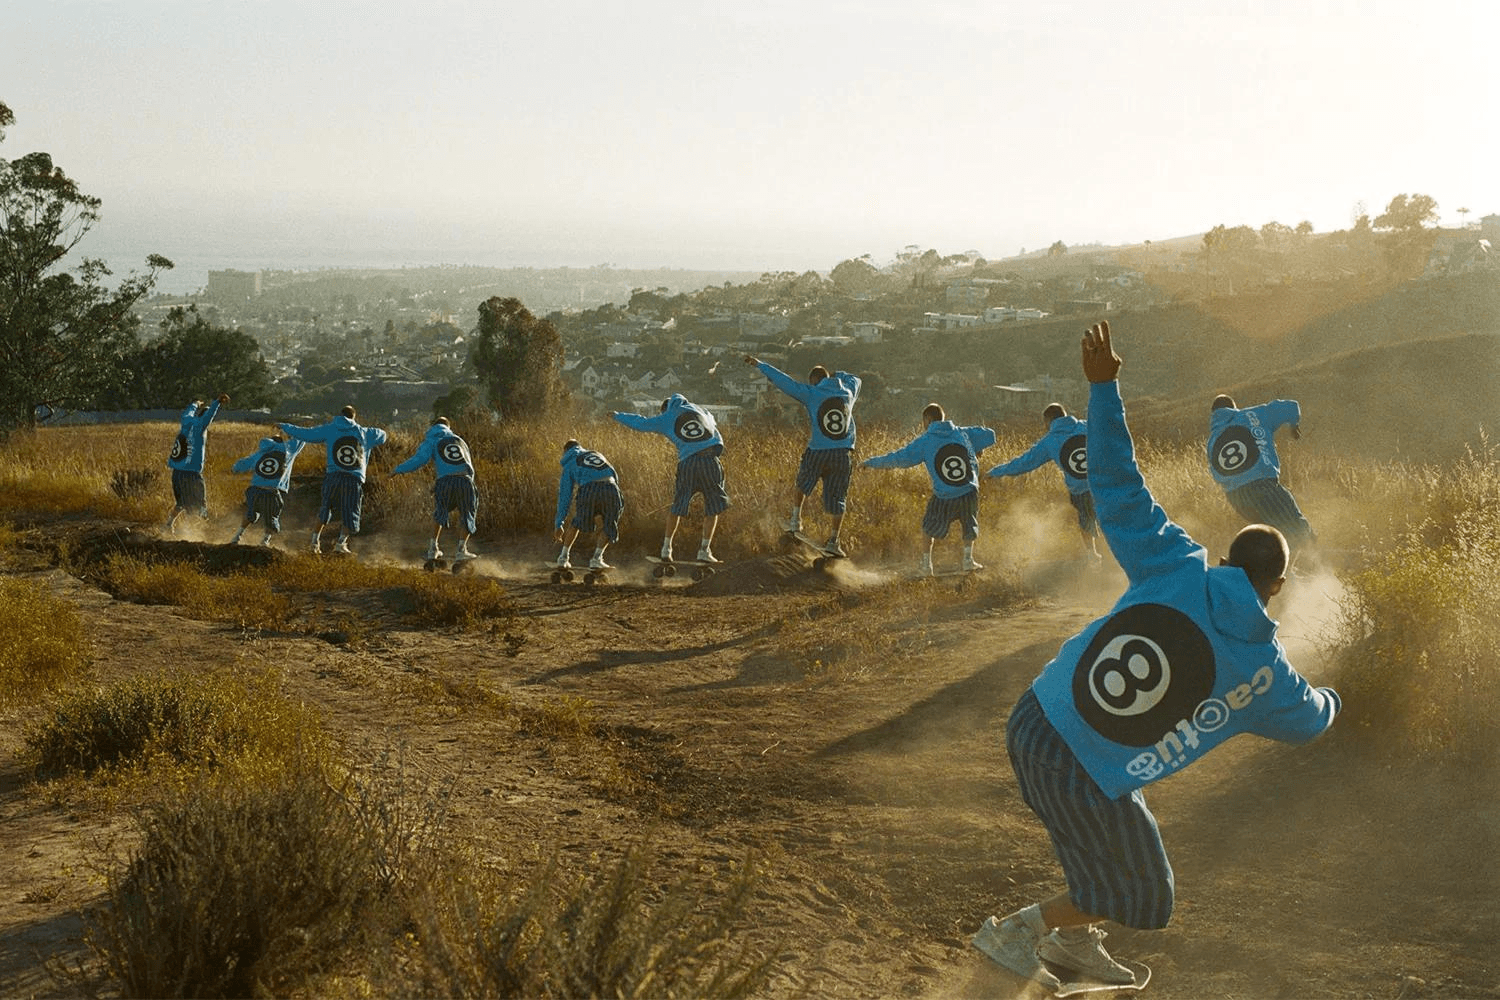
(1061, 958)
(1041, 976)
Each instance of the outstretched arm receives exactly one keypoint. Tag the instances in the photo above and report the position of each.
(1144, 541)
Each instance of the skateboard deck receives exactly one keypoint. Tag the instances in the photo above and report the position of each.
(1080, 987)
(668, 567)
(824, 554)
(940, 574)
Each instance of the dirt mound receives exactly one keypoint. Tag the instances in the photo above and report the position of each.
(87, 546)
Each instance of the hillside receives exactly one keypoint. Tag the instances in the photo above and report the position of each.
(1421, 400)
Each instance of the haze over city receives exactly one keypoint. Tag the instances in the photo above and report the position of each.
(767, 135)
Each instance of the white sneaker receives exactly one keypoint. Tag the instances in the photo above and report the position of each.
(971, 564)
(598, 562)
(706, 555)
(171, 526)
(433, 552)
(317, 544)
(666, 550)
(563, 562)
(463, 551)
(833, 548)
(794, 524)
(1012, 944)
(924, 565)
(342, 546)
(267, 540)
(1082, 950)
(236, 539)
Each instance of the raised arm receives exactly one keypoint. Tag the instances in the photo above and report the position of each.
(1144, 541)
(1031, 459)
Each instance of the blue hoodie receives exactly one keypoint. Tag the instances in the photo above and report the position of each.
(1242, 443)
(192, 438)
(830, 405)
(448, 453)
(580, 467)
(690, 427)
(348, 443)
(1066, 443)
(1187, 657)
(950, 454)
(271, 464)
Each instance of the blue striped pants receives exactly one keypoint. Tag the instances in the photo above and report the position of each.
(1110, 849)
(343, 496)
(1266, 501)
(831, 465)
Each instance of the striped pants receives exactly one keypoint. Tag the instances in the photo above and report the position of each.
(1110, 849)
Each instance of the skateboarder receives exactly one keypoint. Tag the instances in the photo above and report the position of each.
(349, 447)
(950, 454)
(1186, 659)
(453, 487)
(829, 399)
(1066, 443)
(1242, 458)
(186, 459)
(598, 499)
(699, 445)
(271, 468)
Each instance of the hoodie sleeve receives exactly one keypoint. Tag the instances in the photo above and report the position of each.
(1144, 541)
(636, 422)
(302, 433)
(1031, 459)
(784, 382)
(1297, 711)
(374, 437)
(913, 453)
(210, 413)
(564, 495)
(245, 464)
(851, 382)
(980, 438)
(419, 458)
(1280, 412)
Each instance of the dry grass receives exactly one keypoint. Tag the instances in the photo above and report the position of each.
(42, 644)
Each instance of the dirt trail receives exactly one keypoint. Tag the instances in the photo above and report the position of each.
(882, 805)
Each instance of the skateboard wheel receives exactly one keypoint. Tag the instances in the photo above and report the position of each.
(670, 570)
(557, 576)
(820, 562)
(658, 571)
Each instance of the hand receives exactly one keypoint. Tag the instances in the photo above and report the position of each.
(223, 398)
(1296, 432)
(1100, 362)
(751, 360)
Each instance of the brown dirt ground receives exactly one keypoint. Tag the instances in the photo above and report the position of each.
(882, 805)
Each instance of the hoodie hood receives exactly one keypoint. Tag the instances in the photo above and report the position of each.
(1234, 607)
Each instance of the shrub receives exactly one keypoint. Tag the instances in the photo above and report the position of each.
(613, 935)
(42, 645)
(176, 722)
(237, 890)
(1419, 664)
(245, 599)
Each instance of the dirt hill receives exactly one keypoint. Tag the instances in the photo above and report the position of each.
(879, 799)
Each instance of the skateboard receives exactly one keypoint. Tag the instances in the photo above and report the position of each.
(590, 576)
(824, 554)
(1079, 987)
(456, 566)
(668, 567)
(942, 574)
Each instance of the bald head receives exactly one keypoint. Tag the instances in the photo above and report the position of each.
(1261, 551)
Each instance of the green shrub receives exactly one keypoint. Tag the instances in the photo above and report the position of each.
(42, 645)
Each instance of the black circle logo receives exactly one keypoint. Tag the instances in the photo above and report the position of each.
(455, 452)
(1234, 451)
(692, 427)
(348, 453)
(270, 465)
(593, 460)
(953, 465)
(1148, 667)
(1074, 457)
(834, 419)
(180, 448)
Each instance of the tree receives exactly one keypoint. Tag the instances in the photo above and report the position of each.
(195, 358)
(1057, 249)
(1406, 215)
(518, 358)
(64, 338)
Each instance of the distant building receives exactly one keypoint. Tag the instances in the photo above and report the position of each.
(233, 286)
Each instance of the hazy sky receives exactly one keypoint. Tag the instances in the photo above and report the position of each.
(749, 135)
